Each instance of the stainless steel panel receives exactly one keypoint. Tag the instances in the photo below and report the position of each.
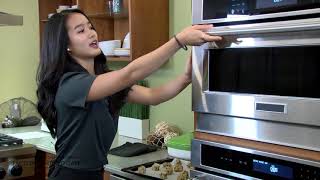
(196, 157)
(197, 9)
(270, 27)
(276, 39)
(198, 175)
(196, 161)
(305, 137)
(300, 110)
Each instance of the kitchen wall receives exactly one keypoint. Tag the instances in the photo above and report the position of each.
(178, 110)
(19, 49)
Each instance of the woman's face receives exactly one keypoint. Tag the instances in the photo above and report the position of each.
(83, 38)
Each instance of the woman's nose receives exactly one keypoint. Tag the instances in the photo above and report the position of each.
(92, 34)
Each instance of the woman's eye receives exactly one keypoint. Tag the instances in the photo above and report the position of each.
(92, 28)
(81, 31)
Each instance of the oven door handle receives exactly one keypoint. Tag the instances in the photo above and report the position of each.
(270, 27)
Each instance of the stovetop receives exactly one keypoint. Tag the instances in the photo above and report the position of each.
(6, 140)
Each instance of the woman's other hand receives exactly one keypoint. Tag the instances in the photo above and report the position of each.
(188, 69)
(196, 36)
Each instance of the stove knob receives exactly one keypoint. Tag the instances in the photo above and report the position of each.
(15, 170)
(2, 173)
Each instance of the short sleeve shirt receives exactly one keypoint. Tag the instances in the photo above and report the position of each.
(85, 130)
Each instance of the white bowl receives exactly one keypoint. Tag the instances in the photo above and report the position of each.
(63, 7)
(108, 47)
(122, 52)
(126, 41)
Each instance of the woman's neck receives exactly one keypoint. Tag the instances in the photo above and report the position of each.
(88, 64)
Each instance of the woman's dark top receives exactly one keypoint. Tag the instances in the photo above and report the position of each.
(85, 130)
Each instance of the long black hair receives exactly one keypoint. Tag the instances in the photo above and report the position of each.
(55, 61)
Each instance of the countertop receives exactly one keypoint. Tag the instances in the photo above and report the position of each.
(44, 142)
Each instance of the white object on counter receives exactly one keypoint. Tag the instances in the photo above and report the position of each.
(30, 135)
(182, 154)
(44, 126)
(135, 128)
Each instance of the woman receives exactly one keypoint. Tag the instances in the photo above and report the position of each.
(80, 98)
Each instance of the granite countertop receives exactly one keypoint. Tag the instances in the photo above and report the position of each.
(44, 142)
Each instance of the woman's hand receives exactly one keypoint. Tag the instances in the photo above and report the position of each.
(188, 69)
(157, 95)
(196, 36)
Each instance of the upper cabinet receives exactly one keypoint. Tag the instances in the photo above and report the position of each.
(146, 20)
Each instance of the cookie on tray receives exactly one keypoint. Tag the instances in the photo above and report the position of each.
(165, 164)
(163, 175)
(155, 167)
(177, 161)
(168, 170)
(141, 170)
(178, 168)
(183, 176)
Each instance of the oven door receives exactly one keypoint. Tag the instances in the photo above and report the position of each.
(268, 76)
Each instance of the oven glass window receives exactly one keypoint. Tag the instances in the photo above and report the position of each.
(213, 9)
(217, 9)
(283, 71)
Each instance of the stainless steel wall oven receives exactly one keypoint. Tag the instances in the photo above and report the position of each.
(261, 81)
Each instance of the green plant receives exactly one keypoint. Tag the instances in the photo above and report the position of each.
(137, 111)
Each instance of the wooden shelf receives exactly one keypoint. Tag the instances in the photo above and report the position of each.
(103, 16)
(118, 58)
(109, 16)
(133, 17)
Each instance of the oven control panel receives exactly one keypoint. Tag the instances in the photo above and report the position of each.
(12, 168)
(252, 163)
(2, 173)
(17, 161)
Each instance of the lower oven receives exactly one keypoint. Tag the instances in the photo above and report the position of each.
(221, 161)
(261, 83)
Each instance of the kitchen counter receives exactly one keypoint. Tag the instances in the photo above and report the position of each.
(44, 142)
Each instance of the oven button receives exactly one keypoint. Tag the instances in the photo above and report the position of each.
(2, 173)
(15, 170)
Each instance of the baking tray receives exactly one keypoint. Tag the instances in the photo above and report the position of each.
(150, 174)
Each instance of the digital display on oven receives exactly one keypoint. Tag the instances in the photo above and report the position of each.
(262, 4)
(272, 169)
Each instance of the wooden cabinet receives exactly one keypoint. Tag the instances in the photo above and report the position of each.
(146, 20)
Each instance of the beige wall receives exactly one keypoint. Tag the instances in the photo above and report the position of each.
(19, 50)
(178, 110)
